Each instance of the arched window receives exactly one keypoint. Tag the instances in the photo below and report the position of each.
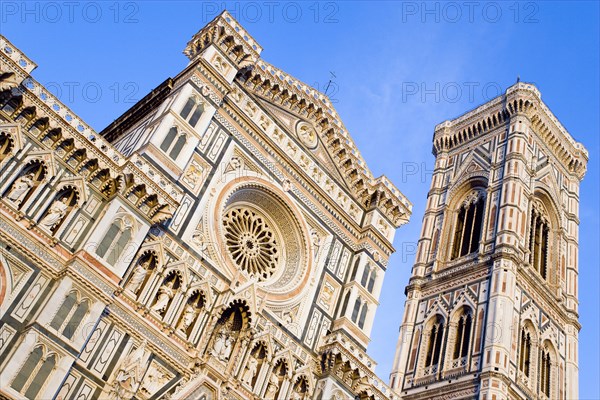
(463, 335)
(115, 241)
(64, 311)
(368, 277)
(75, 320)
(545, 372)
(525, 352)
(185, 111)
(34, 373)
(345, 304)
(355, 270)
(190, 105)
(178, 146)
(70, 315)
(196, 116)
(27, 369)
(168, 140)
(173, 143)
(371, 281)
(434, 244)
(365, 275)
(538, 240)
(434, 345)
(356, 310)
(363, 316)
(468, 225)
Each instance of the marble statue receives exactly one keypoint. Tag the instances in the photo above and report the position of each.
(165, 294)
(20, 188)
(250, 371)
(55, 214)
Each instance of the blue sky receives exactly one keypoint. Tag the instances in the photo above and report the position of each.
(400, 68)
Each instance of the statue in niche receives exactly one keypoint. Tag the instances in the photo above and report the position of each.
(137, 277)
(56, 213)
(250, 371)
(299, 392)
(187, 318)
(272, 388)
(296, 395)
(223, 344)
(165, 294)
(20, 188)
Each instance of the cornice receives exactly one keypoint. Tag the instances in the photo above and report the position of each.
(519, 99)
(231, 37)
(95, 146)
(337, 343)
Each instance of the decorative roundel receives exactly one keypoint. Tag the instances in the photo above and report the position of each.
(263, 237)
(251, 242)
(307, 134)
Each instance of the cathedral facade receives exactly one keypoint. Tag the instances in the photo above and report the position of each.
(491, 310)
(222, 239)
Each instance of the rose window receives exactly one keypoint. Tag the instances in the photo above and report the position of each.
(250, 242)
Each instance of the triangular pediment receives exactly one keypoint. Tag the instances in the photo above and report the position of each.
(548, 177)
(289, 121)
(14, 132)
(471, 163)
(248, 293)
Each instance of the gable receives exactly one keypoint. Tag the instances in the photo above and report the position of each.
(291, 121)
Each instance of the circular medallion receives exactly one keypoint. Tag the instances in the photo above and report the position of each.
(250, 242)
(307, 134)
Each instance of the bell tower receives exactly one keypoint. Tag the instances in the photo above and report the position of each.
(491, 309)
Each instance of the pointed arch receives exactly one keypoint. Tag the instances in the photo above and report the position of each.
(462, 330)
(70, 314)
(468, 225)
(26, 182)
(35, 371)
(543, 237)
(59, 208)
(547, 369)
(432, 343)
(116, 239)
(192, 111)
(356, 309)
(363, 315)
(227, 332)
(527, 351)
